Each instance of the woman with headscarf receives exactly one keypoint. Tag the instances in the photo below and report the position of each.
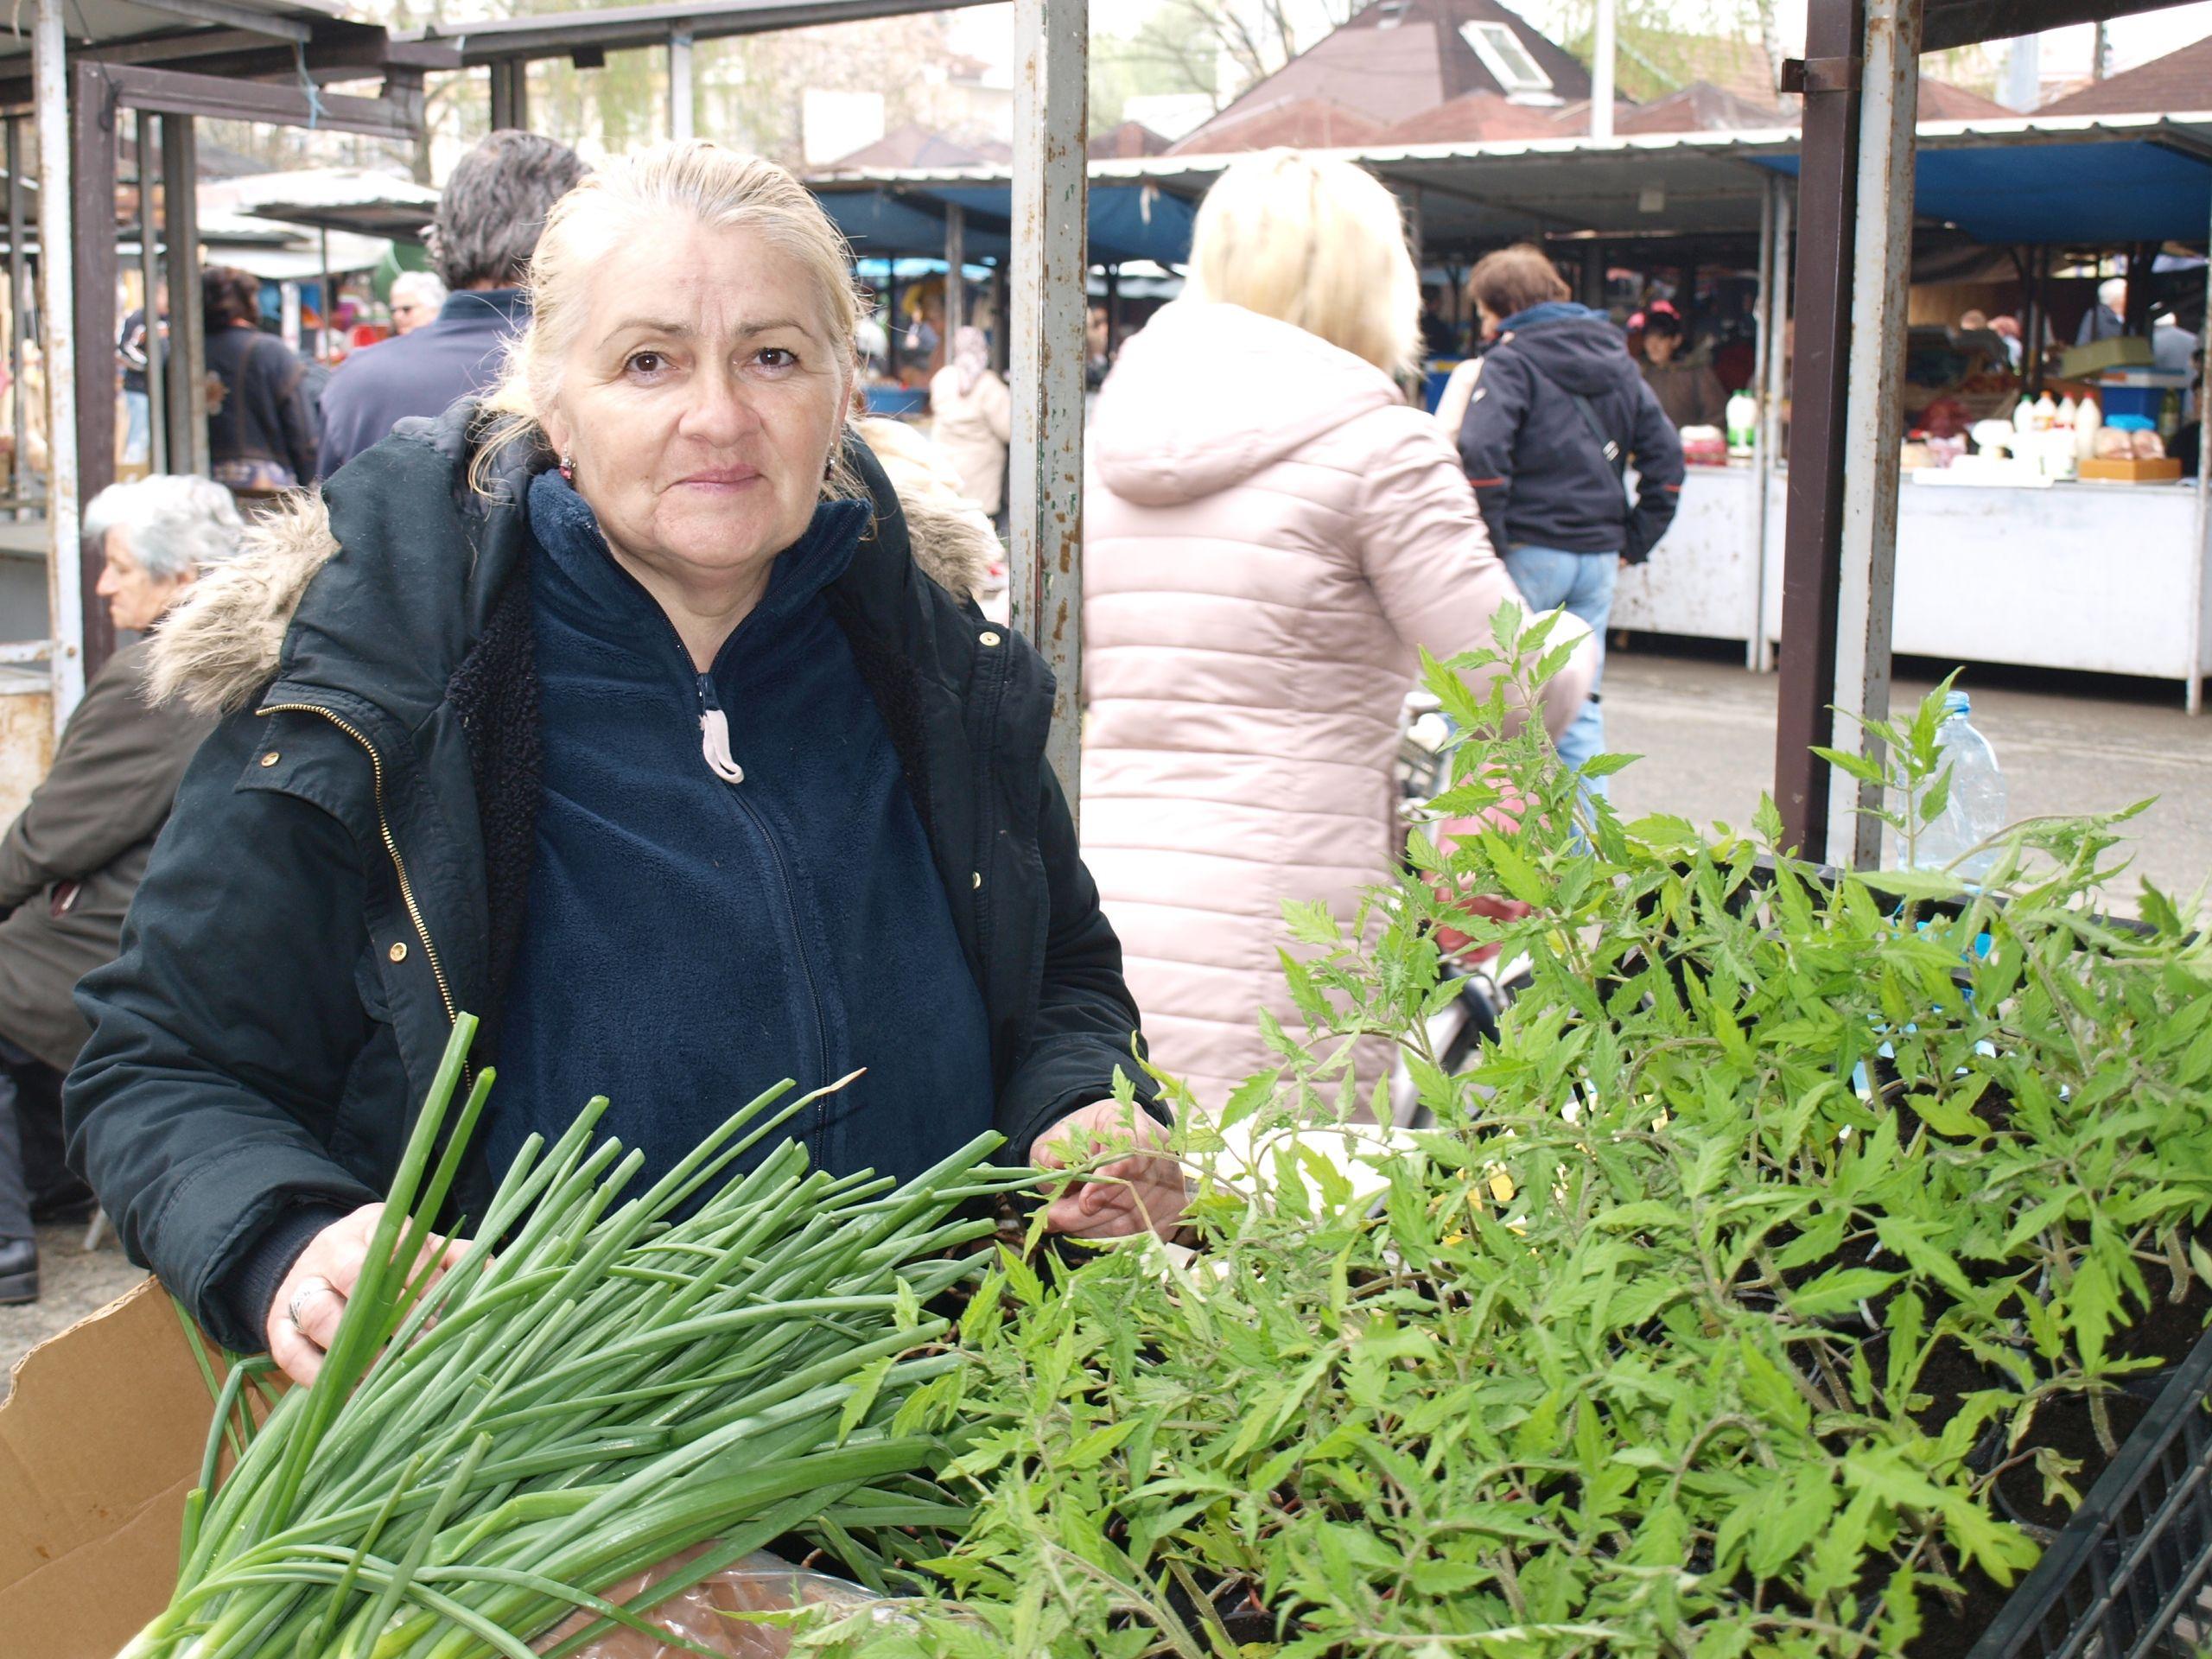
(973, 413)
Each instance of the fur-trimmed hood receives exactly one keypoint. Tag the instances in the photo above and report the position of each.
(226, 640)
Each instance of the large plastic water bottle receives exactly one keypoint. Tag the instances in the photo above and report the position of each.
(1976, 808)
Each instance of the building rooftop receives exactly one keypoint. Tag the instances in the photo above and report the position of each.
(1398, 57)
(2179, 83)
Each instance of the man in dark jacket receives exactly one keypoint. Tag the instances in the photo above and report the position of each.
(70, 863)
(385, 759)
(487, 224)
(1559, 412)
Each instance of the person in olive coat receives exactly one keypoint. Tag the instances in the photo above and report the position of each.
(71, 862)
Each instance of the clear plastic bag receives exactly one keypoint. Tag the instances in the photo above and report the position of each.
(761, 1583)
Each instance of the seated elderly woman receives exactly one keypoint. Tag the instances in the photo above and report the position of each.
(71, 860)
(619, 710)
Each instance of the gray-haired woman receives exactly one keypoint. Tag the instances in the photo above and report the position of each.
(630, 711)
(70, 863)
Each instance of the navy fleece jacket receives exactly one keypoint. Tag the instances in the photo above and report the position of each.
(691, 941)
(1540, 475)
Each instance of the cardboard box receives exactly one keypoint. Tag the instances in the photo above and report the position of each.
(2123, 350)
(2167, 470)
(100, 1440)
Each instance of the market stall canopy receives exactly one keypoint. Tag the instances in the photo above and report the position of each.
(2020, 179)
(237, 39)
(886, 213)
(341, 199)
(2111, 190)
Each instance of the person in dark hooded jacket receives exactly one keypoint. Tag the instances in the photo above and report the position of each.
(1558, 414)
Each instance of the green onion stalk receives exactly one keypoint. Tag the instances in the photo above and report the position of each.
(586, 1388)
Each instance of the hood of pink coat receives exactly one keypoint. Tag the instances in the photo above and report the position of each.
(1208, 394)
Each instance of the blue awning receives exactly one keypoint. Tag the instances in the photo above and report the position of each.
(1128, 221)
(2108, 193)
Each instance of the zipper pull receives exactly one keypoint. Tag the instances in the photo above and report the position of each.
(713, 736)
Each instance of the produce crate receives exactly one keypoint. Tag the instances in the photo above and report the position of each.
(2130, 1576)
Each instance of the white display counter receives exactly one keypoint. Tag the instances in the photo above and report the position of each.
(2104, 577)
(1703, 579)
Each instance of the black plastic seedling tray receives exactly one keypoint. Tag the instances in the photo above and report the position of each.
(2131, 1575)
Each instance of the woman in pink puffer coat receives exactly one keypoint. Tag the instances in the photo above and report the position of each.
(1270, 532)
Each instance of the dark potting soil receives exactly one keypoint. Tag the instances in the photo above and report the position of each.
(2167, 1330)
(2067, 1427)
(1950, 1623)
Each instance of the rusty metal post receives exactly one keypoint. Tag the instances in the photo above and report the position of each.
(955, 279)
(57, 323)
(1773, 392)
(19, 319)
(90, 261)
(150, 282)
(1762, 451)
(1874, 411)
(187, 384)
(1827, 200)
(2195, 695)
(1044, 478)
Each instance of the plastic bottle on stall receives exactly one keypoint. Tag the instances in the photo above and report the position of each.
(2046, 413)
(1975, 809)
(2023, 414)
(2087, 420)
(1743, 417)
(2067, 410)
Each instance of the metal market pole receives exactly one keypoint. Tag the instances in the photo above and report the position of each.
(1874, 413)
(956, 279)
(57, 316)
(1774, 393)
(1050, 218)
(679, 85)
(323, 311)
(1827, 198)
(1601, 73)
(19, 311)
(1762, 452)
(2197, 585)
(149, 280)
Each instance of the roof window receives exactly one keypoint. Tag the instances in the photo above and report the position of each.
(1504, 55)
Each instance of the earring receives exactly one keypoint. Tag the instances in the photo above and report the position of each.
(568, 467)
(829, 466)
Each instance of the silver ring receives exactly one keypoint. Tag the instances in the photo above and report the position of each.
(308, 1287)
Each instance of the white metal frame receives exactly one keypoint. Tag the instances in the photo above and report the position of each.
(57, 316)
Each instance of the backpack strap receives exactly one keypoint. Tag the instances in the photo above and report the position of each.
(1616, 456)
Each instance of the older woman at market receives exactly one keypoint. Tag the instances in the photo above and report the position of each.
(621, 710)
(71, 859)
(1271, 532)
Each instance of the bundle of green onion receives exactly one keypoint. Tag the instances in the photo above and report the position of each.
(483, 1450)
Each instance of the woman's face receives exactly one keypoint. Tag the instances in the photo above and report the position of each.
(135, 598)
(700, 404)
(1660, 347)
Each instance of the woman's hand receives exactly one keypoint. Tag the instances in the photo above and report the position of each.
(304, 1315)
(1144, 1189)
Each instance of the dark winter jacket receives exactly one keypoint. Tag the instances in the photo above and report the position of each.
(456, 355)
(70, 863)
(349, 861)
(1541, 475)
(264, 411)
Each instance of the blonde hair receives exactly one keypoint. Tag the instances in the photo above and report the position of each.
(717, 188)
(1313, 242)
